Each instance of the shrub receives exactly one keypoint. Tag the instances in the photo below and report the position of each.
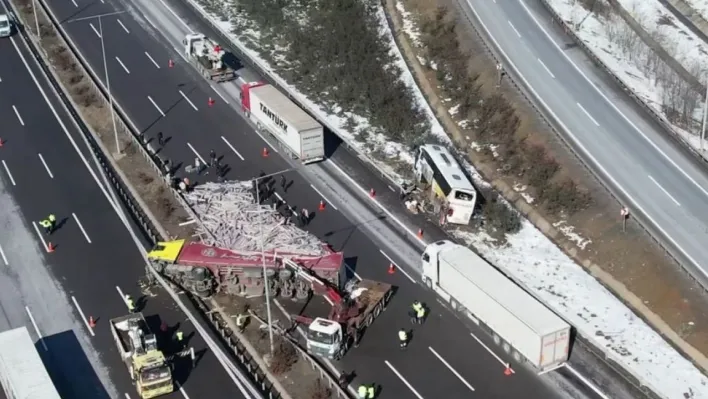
(565, 196)
(541, 167)
(320, 390)
(501, 216)
(284, 357)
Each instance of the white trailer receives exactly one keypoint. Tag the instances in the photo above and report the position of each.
(22, 372)
(298, 132)
(517, 321)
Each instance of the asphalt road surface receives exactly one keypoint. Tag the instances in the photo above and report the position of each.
(173, 100)
(626, 147)
(94, 255)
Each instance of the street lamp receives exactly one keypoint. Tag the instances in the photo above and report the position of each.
(36, 20)
(265, 271)
(105, 70)
(705, 111)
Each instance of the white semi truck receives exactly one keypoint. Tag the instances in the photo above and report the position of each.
(518, 322)
(299, 133)
(22, 372)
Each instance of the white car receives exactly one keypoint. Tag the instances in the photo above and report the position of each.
(5, 25)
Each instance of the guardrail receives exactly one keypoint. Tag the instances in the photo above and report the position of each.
(138, 210)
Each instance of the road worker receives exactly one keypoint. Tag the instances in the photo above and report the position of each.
(53, 221)
(363, 391)
(129, 302)
(403, 338)
(241, 321)
(416, 310)
(180, 337)
(47, 225)
(420, 314)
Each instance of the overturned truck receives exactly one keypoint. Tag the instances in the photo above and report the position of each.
(205, 270)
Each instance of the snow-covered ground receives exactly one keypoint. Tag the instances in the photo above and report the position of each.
(539, 265)
(633, 67)
(700, 6)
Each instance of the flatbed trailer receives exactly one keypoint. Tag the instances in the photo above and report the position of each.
(207, 56)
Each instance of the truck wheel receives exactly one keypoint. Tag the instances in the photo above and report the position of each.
(369, 320)
(429, 283)
(378, 309)
(453, 304)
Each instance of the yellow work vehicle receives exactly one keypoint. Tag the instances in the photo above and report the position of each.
(148, 367)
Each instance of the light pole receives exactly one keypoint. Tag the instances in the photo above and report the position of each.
(105, 71)
(36, 19)
(265, 270)
(705, 111)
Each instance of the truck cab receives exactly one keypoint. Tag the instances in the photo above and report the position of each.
(155, 375)
(5, 25)
(430, 261)
(325, 338)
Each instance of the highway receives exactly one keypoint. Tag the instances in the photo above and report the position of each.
(626, 147)
(44, 172)
(173, 100)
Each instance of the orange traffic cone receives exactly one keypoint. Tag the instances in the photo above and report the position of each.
(211, 102)
(391, 268)
(508, 370)
(50, 247)
(170, 64)
(322, 206)
(265, 152)
(92, 322)
(372, 193)
(420, 233)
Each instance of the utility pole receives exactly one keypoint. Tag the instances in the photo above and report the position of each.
(705, 112)
(118, 152)
(266, 283)
(36, 19)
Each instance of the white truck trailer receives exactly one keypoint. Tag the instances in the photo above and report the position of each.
(519, 323)
(22, 372)
(299, 133)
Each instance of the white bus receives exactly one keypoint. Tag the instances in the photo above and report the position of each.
(436, 168)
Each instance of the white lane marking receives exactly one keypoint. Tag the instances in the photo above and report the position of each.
(451, 369)
(182, 391)
(75, 5)
(123, 65)
(158, 108)
(18, 115)
(232, 148)
(611, 104)
(546, 68)
(403, 380)
(515, 31)
(0, 80)
(587, 114)
(121, 25)
(81, 227)
(580, 145)
(127, 396)
(188, 100)
(188, 222)
(176, 16)
(12, 179)
(196, 153)
(41, 237)
(41, 158)
(83, 317)
(153, 60)
(375, 201)
(586, 382)
(4, 258)
(396, 266)
(327, 202)
(95, 30)
(219, 94)
(122, 296)
(491, 352)
(279, 197)
(664, 190)
(36, 329)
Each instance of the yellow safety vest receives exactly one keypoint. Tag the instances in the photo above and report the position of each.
(402, 335)
(179, 335)
(45, 223)
(52, 218)
(371, 392)
(130, 304)
(362, 391)
(420, 312)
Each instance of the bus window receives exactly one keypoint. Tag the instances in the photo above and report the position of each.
(463, 196)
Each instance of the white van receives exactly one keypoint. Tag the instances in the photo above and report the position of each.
(5, 25)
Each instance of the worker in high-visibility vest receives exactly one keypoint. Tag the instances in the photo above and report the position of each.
(241, 321)
(130, 304)
(420, 314)
(366, 391)
(180, 337)
(403, 338)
